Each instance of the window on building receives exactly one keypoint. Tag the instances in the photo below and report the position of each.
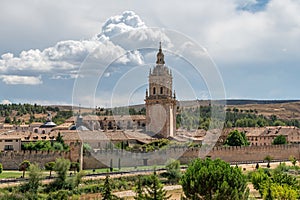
(161, 90)
(8, 140)
(154, 90)
(8, 147)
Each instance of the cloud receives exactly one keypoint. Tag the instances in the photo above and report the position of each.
(5, 101)
(239, 36)
(24, 80)
(63, 60)
(119, 24)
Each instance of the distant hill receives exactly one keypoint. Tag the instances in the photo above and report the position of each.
(246, 101)
(234, 102)
(284, 109)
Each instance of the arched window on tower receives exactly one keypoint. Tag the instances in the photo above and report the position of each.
(154, 90)
(161, 90)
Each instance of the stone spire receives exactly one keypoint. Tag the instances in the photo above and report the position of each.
(160, 56)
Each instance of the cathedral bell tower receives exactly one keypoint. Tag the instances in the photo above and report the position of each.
(160, 101)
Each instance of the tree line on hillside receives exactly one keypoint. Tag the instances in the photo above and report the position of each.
(23, 109)
(201, 118)
(13, 113)
(187, 118)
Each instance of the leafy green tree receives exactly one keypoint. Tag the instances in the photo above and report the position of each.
(86, 147)
(155, 190)
(213, 179)
(279, 123)
(50, 167)
(59, 139)
(258, 177)
(24, 167)
(268, 158)
(139, 192)
(61, 168)
(42, 145)
(275, 184)
(78, 178)
(173, 171)
(236, 138)
(35, 176)
(268, 193)
(257, 166)
(293, 160)
(58, 146)
(61, 195)
(280, 139)
(283, 192)
(7, 120)
(107, 190)
(75, 166)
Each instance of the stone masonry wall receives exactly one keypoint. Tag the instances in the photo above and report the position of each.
(116, 158)
(256, 153)
(105, 158)
(11, 159)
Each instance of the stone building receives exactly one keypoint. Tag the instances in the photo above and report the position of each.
(10, 142)
(160, 101)
(264, 136)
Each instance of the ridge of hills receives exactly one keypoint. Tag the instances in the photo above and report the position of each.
(283, 109)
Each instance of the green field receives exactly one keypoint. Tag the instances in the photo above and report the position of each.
(11, 174)
(17, 174)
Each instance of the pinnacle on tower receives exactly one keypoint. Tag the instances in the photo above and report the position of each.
(160, 56)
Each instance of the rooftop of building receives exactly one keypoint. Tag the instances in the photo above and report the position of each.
(265, 131)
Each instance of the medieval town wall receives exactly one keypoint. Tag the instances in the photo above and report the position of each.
(256, 153)
(12, 159)
(121, 158)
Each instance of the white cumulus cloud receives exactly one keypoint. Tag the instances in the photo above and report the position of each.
(5, 101)
(118, 24)
(62, 61)
(24, 80)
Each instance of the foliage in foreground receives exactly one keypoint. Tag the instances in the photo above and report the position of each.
(173, 173)
(107, 191)
(154, 189)
(276, 184)
(213, 179)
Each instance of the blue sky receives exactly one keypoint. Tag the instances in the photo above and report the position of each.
(46, 47)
